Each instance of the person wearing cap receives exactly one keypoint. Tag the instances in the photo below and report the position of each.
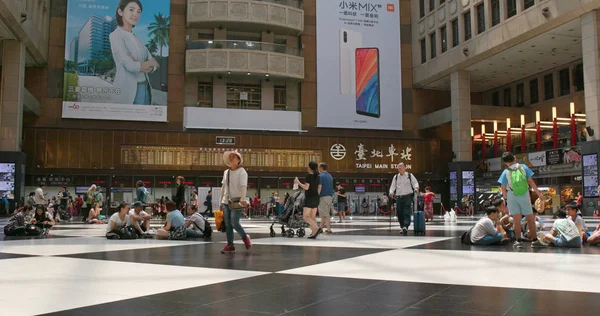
(234, 186)
(139, 219)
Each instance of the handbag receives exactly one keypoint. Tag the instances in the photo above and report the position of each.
(233, 203)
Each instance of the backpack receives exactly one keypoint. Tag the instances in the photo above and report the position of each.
(128, 232)
(409, 179)
(465, 238)
(517, 181)
(207, 230)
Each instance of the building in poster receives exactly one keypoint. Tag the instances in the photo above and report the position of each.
(116, 61)
(358, 69)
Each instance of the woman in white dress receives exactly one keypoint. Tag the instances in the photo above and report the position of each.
(133, 61)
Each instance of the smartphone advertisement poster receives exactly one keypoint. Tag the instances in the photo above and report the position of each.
(116, 59)
(358, 64)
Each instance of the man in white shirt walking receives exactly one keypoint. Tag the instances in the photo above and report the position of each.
(403, 188)
(40, 198)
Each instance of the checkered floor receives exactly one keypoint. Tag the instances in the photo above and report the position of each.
(364, 268)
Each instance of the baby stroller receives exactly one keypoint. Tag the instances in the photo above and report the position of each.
(291, 217)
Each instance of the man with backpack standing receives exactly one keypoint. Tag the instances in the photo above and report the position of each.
(403, 188)
(515, 182)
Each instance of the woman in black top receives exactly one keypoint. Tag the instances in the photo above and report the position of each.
(179, 198)
(311, 200)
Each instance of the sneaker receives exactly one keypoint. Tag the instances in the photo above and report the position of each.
(405, 231)
(248, 242)
(328, 232)
(228, 249)
(518, 244)
(505, 242)
(340, 222)
(538, 244)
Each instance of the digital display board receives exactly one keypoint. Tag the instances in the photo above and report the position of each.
(453, 187)
(156, 157)
(468, 182)
(590, 175)
(7, 180)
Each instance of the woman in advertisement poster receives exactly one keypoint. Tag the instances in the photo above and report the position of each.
(133, 61)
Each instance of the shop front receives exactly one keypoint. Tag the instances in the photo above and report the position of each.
(558, 174)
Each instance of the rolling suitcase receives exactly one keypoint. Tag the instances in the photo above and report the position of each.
(419, 223)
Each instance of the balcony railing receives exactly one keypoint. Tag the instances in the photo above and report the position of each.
(245, 45)
(289, 3)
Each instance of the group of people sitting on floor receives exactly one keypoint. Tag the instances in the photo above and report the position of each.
(25, 221)
(497, 228)
(135, 223)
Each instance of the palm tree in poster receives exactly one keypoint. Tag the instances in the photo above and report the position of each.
(159, 30)
(152, 47)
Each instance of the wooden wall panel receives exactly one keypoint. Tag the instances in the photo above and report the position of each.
(108, 150)
(101, 150)
(96, 149)
(51, 148)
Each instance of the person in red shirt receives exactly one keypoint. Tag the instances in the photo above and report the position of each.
(579, 199)
(428, 199)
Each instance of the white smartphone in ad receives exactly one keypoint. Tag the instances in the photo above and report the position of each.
(349, 42)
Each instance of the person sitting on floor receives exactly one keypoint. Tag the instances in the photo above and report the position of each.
(42, 219)
(94, 215)
(573, 214)
(564, 233)
(16, 223)
(174, 228)
(594, 239)
(486, 231)
(195, 224)
(117, 221)
(539, 224)
(139, 219)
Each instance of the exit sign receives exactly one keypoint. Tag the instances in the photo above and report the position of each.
(225, 140)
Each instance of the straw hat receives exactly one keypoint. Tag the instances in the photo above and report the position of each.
(228, 153)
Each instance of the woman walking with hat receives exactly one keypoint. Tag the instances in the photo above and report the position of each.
(233, 198)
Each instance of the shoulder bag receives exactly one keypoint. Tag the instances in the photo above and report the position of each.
(233, 203)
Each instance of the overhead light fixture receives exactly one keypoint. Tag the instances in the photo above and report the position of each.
(472, 132)
(495, 126)
(482, 129)
(266, 75)
(537, 116)
(553, 113)
(210, 42)
(572, 105)
(248, 74)
(522, 119)
(229, 72)
(507, 123)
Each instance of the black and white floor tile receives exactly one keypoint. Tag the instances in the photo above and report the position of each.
(364, 268)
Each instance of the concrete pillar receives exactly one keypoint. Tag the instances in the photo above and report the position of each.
(267, 95)
(11, 99)
(267, 38)
(219, 92)
(292, 96)
(461, 115)
(590, 34)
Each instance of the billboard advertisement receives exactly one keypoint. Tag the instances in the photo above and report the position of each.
(116, 55)
(358, 64)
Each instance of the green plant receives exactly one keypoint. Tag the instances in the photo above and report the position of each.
(70, 80)
(159, 31)
(218, 45)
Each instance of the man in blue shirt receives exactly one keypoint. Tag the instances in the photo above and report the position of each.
(515, 182)
(326, 200)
